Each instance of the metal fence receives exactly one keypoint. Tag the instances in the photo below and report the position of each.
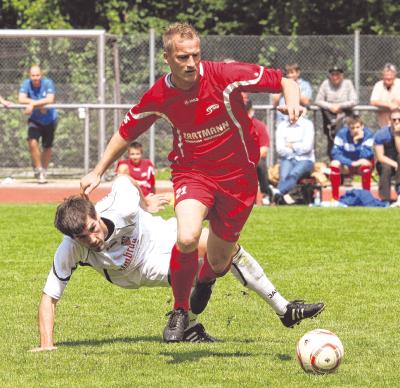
(91, 67)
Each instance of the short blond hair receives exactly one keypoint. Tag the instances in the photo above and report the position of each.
(183, 30)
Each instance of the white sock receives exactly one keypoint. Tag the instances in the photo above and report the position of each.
(192, 320)
(247, 270)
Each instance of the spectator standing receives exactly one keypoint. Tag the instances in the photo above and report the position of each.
(261, 132)
(352, 153)
(37, 91)
(141, 170)
(336, 98)
(387, 151)
(213, 158)
(386, 94)
(293, 72)
(295, 147)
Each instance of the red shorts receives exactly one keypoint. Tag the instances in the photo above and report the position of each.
(229, 201)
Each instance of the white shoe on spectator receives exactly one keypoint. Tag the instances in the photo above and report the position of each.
(265, 201)
(289, 199)
(42, 177)
(396, 204)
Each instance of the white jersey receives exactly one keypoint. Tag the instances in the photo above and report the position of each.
(136, 254)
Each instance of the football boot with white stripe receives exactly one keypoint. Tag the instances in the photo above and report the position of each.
(297, 310)
(197, 333)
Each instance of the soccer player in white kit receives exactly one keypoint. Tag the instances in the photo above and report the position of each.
(132, 249)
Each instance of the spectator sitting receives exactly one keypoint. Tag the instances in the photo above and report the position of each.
(261, 131)
(336, 98)
(387, 151)
(293, 72)
(141, 170)
(295, 147)
(352, 153)
(386, 94)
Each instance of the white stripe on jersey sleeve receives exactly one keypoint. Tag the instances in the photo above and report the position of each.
(227, 92)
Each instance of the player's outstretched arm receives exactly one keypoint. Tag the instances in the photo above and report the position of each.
(291, 92)
(46, 317)
(115, 148)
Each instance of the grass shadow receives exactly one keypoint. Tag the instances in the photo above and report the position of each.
(179, 357)
(93, 342)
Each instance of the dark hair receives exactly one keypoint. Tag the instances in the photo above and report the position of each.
(136, 145)
(71, 215)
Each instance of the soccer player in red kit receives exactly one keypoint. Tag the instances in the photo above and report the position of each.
(141, 170)
(213, 158)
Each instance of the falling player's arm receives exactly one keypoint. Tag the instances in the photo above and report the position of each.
(151, 203)
(46, 318)
(65, 262)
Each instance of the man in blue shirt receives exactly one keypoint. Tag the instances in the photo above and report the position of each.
(38, 91)
(387, 147)
(352, 153)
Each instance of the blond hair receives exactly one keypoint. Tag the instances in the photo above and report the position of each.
(183, 30)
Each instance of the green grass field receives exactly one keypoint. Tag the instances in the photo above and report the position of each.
(111, 337)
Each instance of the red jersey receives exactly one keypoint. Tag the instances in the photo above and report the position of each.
(142, 173)
(212, 133)
(261, 131)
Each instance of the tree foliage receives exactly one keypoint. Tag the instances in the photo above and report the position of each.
(230, 17)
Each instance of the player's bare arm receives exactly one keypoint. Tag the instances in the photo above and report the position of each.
(152, 203)
(46, 317)
(115, 148)
(291, 93)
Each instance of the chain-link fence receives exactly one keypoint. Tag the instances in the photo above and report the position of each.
(77, 65)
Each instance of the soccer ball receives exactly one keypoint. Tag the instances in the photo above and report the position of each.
(319, 351)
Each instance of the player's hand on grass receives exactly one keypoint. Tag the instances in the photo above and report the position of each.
(89, 182)
(43, 349)
(155, 202)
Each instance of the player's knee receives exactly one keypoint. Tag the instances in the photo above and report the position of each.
(335, 163)
(188, 242)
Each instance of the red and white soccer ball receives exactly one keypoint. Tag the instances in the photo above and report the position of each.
(320, 351)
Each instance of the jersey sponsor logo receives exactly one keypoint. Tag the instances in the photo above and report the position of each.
(125, 240)
(211, 108)
(128, 254)
(206, 134)
(191, 101)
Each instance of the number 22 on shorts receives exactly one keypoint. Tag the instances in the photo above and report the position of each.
(181, 191)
